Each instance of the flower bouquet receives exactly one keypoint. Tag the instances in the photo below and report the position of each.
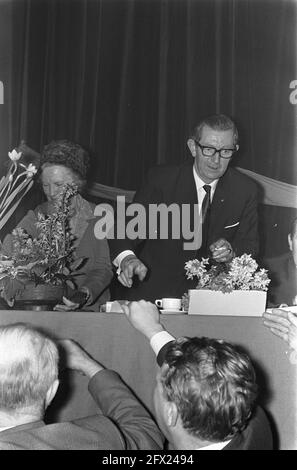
(235, 288)
(37, 270)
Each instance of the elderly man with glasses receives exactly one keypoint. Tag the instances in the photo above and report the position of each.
(225, 200)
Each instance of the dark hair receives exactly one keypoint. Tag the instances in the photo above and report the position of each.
(293, 228)
(66, 153)
(212, 384)
(218, 122)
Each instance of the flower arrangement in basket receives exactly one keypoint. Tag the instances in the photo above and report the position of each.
(45, 260)
(241, 274)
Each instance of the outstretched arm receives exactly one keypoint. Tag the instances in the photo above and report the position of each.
(76, 358)
(129, 423)
(145, 317)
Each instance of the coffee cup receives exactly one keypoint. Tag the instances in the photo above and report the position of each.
(168, 303)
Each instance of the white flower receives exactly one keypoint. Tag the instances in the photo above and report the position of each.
(240, 274)
(31, 170)
(14, 186)
(14, 155)
(196, 268)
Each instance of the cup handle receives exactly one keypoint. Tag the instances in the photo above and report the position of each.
(158, 302)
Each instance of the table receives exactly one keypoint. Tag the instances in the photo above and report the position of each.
(113, 341)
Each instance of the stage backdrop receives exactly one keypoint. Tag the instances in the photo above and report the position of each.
(5, 96)
(128, 79)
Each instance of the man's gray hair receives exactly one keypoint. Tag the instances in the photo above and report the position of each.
(218, 122)
(28, 366)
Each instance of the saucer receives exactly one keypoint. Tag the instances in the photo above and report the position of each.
(292, 309)
(173, 312)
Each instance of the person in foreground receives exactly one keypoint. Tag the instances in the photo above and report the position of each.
(65, 162)
(205, 397)
(283, 292)
(283, 272)
(28, 384)
(224, 198)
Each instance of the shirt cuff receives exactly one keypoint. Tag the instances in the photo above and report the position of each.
(159, 340)
(118, 260)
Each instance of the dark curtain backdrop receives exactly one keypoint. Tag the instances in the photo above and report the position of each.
(128, 79)
(5, 70)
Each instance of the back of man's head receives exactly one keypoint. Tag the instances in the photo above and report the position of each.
(28, 367)
(213, 386)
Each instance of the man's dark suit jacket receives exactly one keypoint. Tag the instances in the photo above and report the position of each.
(283, 274)
(121, 424)
(256, 436)
(233, 217)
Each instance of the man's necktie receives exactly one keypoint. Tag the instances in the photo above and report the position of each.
(205, 216)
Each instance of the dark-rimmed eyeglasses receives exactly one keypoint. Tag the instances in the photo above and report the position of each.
(211, 151)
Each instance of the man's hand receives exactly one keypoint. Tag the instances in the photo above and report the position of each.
(144, 316)
(222, 251)
(283, 324)
(78, 359)
(131, 266)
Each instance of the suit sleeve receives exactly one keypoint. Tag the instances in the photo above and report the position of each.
(132, 422)
(162, 353)
(98, 277)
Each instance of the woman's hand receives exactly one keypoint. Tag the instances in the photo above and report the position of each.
(67, 306)
(76, 301)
